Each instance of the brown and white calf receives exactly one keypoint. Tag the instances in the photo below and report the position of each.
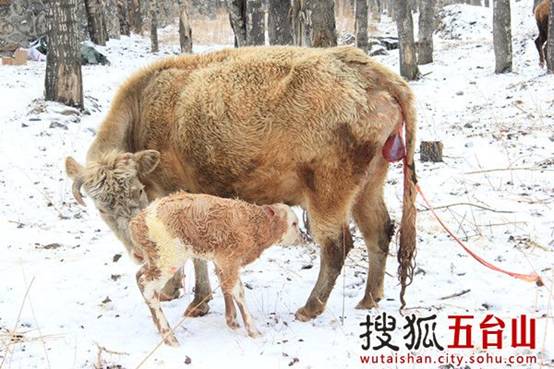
(231, 233)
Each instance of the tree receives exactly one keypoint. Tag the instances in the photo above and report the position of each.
(135, 15)
(237, 17)
(550, 40)
(123, 15)
(153, 11)
(96, 22)
(255, 28)
(298, 20)
(361, 24)
(320, 24)
(375, 8)
(63, 81)
(405, 25)
(426, 28)
(279, 23)
(111, 15)
(185, 31)
(502, 36)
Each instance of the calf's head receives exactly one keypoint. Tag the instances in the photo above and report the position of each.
(291, 235)
(113, 183)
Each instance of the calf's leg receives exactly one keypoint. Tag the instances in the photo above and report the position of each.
(238, 295)
(150, 287)
(230, 311)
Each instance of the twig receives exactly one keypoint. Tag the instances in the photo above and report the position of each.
(467, 204)
(457, 294)
(17, 320)
(98, 364)
(509, 169)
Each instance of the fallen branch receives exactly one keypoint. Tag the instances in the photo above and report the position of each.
(461, 293)
(467, 204)
(509, 169)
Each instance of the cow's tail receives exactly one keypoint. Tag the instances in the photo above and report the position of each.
(407, 248)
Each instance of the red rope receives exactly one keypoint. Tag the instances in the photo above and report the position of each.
(394, 150)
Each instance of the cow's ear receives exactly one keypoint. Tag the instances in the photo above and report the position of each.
(269, 211)
(147, 161)
(72, 168)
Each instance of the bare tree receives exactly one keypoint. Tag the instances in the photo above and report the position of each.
(502, 36)
(63, 81)
(255, 25)
(123, 15)
(111, 15)
(320, 24)
(135, 15)
(96, 22)
(185, 31)
(375, 8)
(405, 25)
(237, 17)
(550, 40)
(279, 27)
(299, 23)
(361, 24)
(426, 28)
(153, 11)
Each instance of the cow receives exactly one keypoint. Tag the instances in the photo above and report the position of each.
(541, 15)
(268, 125)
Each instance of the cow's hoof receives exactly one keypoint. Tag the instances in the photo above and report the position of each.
(168, 297)
(196, 309)
(305, 313)
(366, 304)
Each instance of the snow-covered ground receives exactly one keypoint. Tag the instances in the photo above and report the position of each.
(81, 295)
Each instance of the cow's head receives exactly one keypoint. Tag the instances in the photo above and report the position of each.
(113, 183)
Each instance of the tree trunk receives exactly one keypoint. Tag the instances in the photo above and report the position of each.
(502, 36)
(123, 15)
(426, 28)
(375, 9)
(279, 23)
(112, 18)
(63, 82)
(298, 20)
(320, 25)
(135, 14)
(405, 25)
(430, 151)
(487, 4)
(475, 2)
(185, 31)
(361, 24)
(255, 26)
(550, 40)
(237, 17)
(96, 22)
(153, 11)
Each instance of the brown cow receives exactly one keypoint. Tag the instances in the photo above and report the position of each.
(541, 15)
(274, 124)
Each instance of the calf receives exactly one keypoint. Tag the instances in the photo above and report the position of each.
(231, 233)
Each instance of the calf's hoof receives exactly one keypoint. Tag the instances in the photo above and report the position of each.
(168, 297)
(254, 333)
(309, 312)
(232, 323)
(197, 308)
(171, 340)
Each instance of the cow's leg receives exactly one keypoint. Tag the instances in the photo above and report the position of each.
(329, 201)
(150, 288)
(238, 295)
(372, 218)
(172, 287)
(539, 42)
(202, 290)
(228, 277)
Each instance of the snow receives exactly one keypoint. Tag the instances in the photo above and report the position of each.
(81, 296)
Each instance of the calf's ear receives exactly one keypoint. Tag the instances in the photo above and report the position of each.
(147, 161)
(269, 211)
(72, 168)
